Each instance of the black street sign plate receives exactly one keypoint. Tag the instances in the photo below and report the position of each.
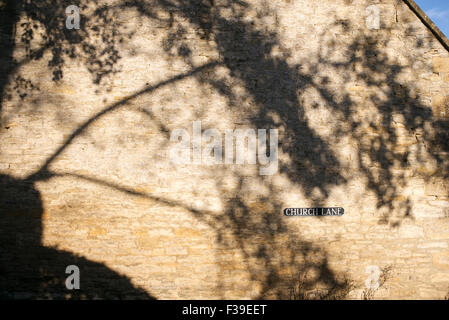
(314, 212)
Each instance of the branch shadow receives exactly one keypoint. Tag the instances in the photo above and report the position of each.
(30, 270)
(274, 256)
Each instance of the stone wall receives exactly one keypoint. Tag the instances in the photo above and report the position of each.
(86, 176)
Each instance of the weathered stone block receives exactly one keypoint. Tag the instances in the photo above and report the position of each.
(174, 251)
(440, 64)
(440, 107)
(441, 260)
(437, 187)
(440, 277)
(446, 77)
(410, 231)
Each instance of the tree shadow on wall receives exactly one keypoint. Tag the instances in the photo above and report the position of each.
(278, 88)
(44, 21)
(8, 19)
(274, 255)
(30, 270)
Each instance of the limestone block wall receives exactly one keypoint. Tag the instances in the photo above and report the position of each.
(86, 176)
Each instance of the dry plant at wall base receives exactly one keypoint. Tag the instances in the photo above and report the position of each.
(385, 274)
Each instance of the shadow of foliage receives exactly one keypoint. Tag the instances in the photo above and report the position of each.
(271, 251)
(30, 270)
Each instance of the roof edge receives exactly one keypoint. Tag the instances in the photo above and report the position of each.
(428, 23)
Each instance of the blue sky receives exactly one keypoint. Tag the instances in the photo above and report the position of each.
(438, 11)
